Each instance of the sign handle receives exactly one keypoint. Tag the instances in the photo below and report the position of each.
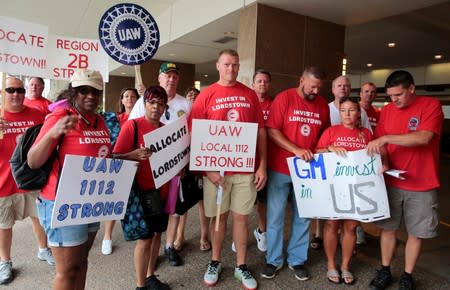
(2, 109)
(219, 203)
(137, 76)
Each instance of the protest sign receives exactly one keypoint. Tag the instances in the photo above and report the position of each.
(92, 189)
(129, 34)
(334, 187)
(67, 54)
(170, 150)
(23, 47)
(223, 146)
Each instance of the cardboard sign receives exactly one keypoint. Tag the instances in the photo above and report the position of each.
(223, 146)
(67, 54)
(92, 189)
(334, 187)
(129, 34)
(170, 150)
(23, 47)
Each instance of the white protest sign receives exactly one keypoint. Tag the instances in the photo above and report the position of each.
(170, 150)
(334, 187)
(67, 54)
(23, 47)
(224, 146)
(92, 189)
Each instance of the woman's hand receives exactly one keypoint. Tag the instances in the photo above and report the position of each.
(63, 126)
(338, 150)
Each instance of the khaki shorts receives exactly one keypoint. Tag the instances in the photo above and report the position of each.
(239, 195)
(17, 207)
(419, 210)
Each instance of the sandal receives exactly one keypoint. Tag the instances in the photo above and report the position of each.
(316, 243)
(333, 276)
(205, 245)
(347, 277)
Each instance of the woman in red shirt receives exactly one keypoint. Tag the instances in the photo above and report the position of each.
(65, 131)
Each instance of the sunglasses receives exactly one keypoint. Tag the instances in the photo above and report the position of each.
(86, 90)
(12, 90)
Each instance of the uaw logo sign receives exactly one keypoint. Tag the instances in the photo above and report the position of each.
(129, 34)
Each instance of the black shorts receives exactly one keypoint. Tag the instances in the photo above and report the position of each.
(261, 196)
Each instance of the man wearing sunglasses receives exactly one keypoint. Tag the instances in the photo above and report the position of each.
(16, 204)
(34, 98)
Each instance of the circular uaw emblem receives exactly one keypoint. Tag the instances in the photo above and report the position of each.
(103, 151)
(305, 130)
(413, 124)
(129, 34)
(233, 115)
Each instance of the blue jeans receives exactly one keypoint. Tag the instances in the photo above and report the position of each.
(278, 190)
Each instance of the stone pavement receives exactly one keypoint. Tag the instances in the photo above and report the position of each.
(116, 272)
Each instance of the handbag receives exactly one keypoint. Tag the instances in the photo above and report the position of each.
(191, 191)
(133, 223)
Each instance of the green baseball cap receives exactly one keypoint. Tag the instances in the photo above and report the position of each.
(167, 67)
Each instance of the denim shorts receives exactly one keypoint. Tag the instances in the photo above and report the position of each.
(68, 236)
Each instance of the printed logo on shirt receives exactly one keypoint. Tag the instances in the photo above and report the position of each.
(181, 113)
(103, 151)
(233, 115)
(305, 130)
(413, 124)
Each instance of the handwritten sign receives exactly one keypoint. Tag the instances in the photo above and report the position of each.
(67, 54)
(334, 187)
(23, 47)
(170, 150)
(92, 189)
(224, 146)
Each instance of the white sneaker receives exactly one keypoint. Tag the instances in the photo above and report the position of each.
(107, 247)
(261, 240)
(360, 236)
(5, 271)
(47, 256)
(233, 247)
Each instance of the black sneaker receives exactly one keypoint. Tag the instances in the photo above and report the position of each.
(382, 280)
(153, 283)
(174, 258)
(406, 282)
(300, 272)
(270, 271)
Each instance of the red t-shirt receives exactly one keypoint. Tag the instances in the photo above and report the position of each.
(40, 104)
(421, 163)
(122, 118)
(125, 144)
(350, 139)
(84, 139)
(299, 120)
(18, 122)
(265, 107)
(373, 114)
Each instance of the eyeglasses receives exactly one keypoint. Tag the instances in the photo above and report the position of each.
(86, 90)
(12, 90)
(156, 102)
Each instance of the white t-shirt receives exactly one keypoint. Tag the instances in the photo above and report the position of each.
(178, 107)
(335, 118)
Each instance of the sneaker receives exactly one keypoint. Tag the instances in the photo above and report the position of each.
(406, 282)
(174, 258)
(360, 236)
(47, 256)
(107, 247)
(153, 283)
(242, 274)
(5, 271)
(382, 280)
(270, 271)
(260, 240)
(212, 273)
(233, 247)
(300, 272)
